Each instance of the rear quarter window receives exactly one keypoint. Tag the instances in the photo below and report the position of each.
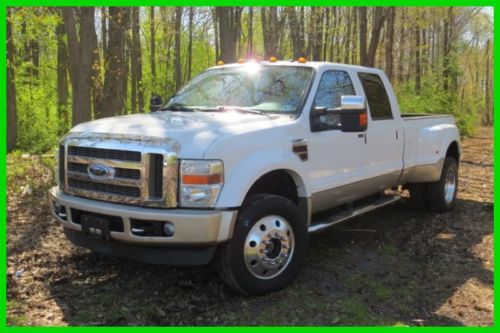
(376, 96)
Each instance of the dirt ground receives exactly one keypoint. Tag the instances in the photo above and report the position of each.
(394, 266)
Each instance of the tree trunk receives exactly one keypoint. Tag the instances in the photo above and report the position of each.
(378, 23)
(177, 47)
(152, 33)
(487, 89)
(317, 33)
(363, 28)
(104, 30)
(418, 70)
(62, 79)
(137, 93)
(190, 43)
(354, 52)
(250, 33)
(402, 47)
(80, 60)
(113, 82)
(347, 40)
(216, 33)
(446, 52)
(389, 45)
(296, 32)
(11, 88)
(229, 20)
(96, 80)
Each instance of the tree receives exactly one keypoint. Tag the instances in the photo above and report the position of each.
(62, 78)
(190, 43)
(80, 49)
(229, 23)
(296, 27)
(389, 45)
(114, 90)
(11, 87)
(363, 30)
(177, 60)
(488, 119)
(377, 24)
(152, 33)
(272, 30)
(137, 93)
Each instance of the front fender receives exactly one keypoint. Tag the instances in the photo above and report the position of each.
(240, 178)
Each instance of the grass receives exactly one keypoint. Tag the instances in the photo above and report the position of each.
(15, 318)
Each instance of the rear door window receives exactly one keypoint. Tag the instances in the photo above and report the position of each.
(376, 96)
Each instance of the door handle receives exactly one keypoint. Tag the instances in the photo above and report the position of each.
(362, 135)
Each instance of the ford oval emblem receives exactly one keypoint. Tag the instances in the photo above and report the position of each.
(98, 170)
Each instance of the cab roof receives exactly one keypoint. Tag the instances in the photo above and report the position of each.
(294, 63)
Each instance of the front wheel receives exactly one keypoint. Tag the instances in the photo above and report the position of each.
(268, 246)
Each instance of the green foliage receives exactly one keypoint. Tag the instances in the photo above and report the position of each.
(434, 100)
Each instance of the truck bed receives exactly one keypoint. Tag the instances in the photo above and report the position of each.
(415, 116)
(411, 116)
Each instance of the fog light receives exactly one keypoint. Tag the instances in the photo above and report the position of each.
(60, 211)
(168, 229)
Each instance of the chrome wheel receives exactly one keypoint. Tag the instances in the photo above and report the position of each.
(269, 247)
(450, 185)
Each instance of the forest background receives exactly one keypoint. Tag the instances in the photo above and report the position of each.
(73, 64)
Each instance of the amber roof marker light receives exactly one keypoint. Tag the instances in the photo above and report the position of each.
(220, 63)
(273, 59)
(302, 60)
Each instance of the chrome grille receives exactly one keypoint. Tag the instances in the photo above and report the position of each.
(137, 172)
(109, 154)
(128, 191)
(119, 172)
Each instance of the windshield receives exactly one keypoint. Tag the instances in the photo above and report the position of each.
(252, 86)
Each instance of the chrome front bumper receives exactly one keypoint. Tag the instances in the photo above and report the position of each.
(192, 227)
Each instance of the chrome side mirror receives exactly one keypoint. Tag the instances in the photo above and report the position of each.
(353, 114)
(352, 102)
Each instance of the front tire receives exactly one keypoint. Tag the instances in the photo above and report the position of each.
(268, 247)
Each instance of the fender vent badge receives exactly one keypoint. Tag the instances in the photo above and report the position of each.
(299, 147)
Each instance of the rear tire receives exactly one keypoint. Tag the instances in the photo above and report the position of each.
(441, 195)
(268, 247)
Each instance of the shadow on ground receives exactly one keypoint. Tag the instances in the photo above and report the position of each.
(393, 266)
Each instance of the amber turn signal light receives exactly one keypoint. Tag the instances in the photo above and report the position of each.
(201, 179)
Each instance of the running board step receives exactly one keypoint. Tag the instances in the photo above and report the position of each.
(334, 219)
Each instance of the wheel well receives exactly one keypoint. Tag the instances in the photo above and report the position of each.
(278, 182)
(453, 151)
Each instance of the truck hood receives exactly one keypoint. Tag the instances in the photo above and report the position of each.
(193, 132)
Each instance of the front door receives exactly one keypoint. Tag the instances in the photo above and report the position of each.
(336, 159)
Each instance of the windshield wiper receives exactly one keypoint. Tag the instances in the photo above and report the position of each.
(235, 108)
(175, 107)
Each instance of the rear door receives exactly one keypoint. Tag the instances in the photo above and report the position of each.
(385, 136)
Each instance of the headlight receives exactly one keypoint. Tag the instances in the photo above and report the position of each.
(200, 182)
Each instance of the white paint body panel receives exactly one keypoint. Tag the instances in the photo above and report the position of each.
(252, 145)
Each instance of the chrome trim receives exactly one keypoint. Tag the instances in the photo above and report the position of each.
(344, 216)
(192, 227)
(352, 102)
(112, 181)
(146, 145)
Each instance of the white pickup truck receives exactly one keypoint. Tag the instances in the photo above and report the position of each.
(237, 165)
